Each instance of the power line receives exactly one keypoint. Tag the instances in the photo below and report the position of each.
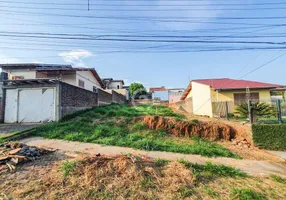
(192, 5)
(144, 10)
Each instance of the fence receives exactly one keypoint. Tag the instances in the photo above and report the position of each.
(263, 112)
(104, 97)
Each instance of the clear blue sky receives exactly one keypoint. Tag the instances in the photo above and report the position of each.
(148, 62)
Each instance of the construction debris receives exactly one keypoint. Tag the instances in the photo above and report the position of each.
(12, 154)
(243, 143)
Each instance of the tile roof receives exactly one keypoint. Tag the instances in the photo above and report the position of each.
(155, 89)
(226, 83)
(230, 84)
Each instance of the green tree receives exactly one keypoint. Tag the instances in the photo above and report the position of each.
(136, 87)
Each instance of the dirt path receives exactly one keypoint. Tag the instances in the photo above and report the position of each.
(253, 167)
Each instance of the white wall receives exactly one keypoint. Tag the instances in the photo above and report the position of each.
(27, 74)
(202, 103)
(115, 84)
(88, 78)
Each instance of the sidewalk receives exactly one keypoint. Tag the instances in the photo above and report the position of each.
(253, 167)
(281, 154)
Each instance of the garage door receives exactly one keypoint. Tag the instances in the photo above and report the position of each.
(11, 106)
(32, 106)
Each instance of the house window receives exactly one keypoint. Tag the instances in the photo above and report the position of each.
(81, 83)
(240, 98)
(94, 89)
(118, 87)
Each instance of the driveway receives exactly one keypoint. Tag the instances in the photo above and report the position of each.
(7, 129)
(253, 167)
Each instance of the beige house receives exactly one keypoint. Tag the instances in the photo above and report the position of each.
(86, 78)
(205, 92)
(116, 85)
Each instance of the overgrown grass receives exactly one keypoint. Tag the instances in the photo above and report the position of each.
(247, 194)
(114, 125)
(278, 179)
(212, 170)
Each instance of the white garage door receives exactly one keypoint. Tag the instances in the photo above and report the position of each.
(32, 106)
(11, 106)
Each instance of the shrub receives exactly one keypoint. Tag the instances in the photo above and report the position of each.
(270, 136)
(259, 109)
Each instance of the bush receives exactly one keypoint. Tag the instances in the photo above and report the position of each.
(270, 136)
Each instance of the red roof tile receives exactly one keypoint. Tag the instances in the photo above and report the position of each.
(226, 83)
(157, 89)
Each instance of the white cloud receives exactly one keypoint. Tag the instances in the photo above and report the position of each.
(75, 57)
(7, 59)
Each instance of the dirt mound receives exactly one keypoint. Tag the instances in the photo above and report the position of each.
(209, 130)
(125, 177)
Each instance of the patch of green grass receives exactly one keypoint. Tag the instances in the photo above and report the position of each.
(161, 162)
(67, 168)
(213, 170)
(185, 192)
(247, 194)
(211, 192)
(196, 121)
(278, 179)
(109, 131)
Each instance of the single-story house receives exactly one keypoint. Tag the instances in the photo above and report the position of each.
(204, 92)
(159, 93)
(175, 94)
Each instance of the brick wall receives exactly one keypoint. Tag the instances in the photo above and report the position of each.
(73, 99)
(104, 97)
(118, 98)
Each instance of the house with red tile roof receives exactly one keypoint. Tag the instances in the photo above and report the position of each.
(204, 92)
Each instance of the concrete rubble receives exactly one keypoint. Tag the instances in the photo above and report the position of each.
(13, 154)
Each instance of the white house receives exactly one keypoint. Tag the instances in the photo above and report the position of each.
(86, 78)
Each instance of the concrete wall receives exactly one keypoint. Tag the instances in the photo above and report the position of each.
(73, 99)
(202, 104)
(186, 105)
(104, 97)
(118, 98)
(27, 74)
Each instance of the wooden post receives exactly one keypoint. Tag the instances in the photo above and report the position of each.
(279, 111)
(250, 112)
(226, 110)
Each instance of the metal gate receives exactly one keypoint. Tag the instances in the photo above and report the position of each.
(30, 105)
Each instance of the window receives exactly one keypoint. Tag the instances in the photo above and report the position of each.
(118, 87)
(81, 83)
(240, 98)
(94, 89)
